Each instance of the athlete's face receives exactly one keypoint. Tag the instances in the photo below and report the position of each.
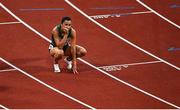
(67, 24)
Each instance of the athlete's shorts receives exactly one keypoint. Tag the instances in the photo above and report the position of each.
(64, 47)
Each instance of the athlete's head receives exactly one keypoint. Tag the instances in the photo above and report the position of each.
(66, 22)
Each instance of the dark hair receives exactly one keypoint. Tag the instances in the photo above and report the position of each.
(65, 18)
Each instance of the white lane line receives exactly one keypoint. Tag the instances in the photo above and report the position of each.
(46, 85)
(4, 107)
(3, 23)
(113, 77)
(6, 70)
(54, 89)
(117, 79)
(118, 15)
(143, 4)
(21, 21)
(133, 64)
(130, 85)
(118, 36)
(119, 67)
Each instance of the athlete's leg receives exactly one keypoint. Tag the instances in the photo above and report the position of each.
(57, 54)
(80, 52)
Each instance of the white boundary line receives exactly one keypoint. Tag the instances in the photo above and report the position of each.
(29, 27)
(119, 67)
(133, 64)
(162, 100)
(3, 23)
(7, 70)
(143, 4)
(4, 107)
(117, 79)
(12, 14)
(128, 84)
(46, 85)
(118, 15)
(113, 33)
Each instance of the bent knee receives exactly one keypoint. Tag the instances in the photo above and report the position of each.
(57, 53)
(82, 52)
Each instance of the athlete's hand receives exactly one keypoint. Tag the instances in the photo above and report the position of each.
(66, 31)
(74, 69)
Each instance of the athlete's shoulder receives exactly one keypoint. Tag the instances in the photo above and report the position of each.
(54, 30)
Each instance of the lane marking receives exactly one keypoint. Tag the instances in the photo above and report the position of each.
(118, 36)
(114, 8)
(6, 70)
(174, 49)
(113, 77)
(42, 9)
(113, 67)
(46, 85)
(130, 85)
(118, 15)
(119, 67)
(21, 21)
(143, 4)
(3, 23)
(175, 6)
(4, 107)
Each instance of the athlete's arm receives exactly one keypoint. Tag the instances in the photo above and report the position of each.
(73, 50)
(59, 42)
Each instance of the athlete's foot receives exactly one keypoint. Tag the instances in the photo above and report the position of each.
(69, 63)
(56, 68)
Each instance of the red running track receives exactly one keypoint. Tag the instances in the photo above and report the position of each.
(29, 52)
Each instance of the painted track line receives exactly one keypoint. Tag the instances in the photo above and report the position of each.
(4, 107)
(29, 27)
(118, 15)
(113, 77)
(3, 23)
(109, 68)
(6, 70)
(130, 85)
(46, 85)
(143, 4)
(113, 33)
(134, 64)
(21, 21)
(42, 9)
